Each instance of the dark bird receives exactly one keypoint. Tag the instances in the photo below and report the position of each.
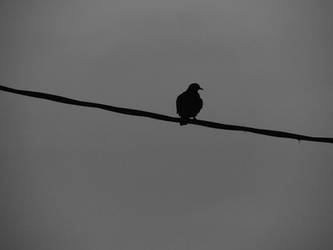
(189, 103)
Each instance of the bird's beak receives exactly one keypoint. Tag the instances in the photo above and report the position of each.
(201, 88)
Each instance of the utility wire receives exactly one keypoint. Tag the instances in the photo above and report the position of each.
(135, 112)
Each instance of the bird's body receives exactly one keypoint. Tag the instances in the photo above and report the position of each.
(189, 103)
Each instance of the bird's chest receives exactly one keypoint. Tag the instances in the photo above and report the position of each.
(190, 104)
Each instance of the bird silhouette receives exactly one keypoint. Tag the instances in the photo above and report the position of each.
(189, 103)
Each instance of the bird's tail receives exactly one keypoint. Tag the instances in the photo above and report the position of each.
(183, 121)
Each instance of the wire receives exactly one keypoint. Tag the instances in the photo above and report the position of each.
(135, 112)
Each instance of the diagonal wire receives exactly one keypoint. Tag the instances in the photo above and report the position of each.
(135, 112)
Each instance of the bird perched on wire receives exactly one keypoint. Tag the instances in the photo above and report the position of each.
(189, 103)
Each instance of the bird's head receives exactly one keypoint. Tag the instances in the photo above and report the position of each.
(194, 87)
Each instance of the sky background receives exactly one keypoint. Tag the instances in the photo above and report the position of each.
(74, 178)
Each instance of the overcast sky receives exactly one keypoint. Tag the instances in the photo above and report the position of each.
(74, 178)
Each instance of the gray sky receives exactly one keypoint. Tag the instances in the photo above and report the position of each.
(76, 178)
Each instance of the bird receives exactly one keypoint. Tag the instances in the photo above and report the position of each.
(189, 103)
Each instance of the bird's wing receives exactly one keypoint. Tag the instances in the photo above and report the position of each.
(179, 102)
